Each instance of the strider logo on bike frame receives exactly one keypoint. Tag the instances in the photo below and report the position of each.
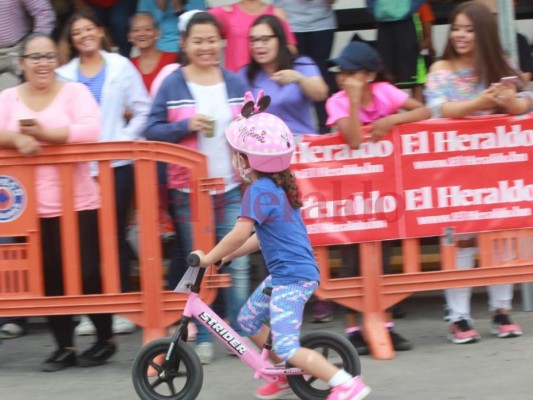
(223, 332)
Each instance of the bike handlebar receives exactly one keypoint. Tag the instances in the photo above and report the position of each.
(193, 260)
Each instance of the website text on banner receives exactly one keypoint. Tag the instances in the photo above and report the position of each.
(471, 175)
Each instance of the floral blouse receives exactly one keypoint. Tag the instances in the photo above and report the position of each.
(444, 85)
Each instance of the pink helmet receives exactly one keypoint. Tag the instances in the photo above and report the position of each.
(264, 138)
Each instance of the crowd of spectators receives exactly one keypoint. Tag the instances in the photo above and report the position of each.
(152, 70)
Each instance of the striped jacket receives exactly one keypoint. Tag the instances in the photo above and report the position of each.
(171, 111)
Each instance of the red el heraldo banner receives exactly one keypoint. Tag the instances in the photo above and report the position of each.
(471, 175)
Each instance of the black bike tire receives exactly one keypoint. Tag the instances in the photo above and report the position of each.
(195, 374)
(320, 339)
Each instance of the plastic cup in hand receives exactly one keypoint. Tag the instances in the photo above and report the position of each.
(210, 132)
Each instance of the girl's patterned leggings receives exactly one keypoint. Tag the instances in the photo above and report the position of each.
(284, 308)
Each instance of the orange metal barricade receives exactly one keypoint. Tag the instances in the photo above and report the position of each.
(504, 257)
(21, 275)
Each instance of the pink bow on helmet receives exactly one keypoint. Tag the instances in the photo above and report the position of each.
(252, 107)
(264, 138)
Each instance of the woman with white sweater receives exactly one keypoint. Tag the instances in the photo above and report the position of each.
(124, 102)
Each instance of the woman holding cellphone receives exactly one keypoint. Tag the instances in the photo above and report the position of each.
(472, 79)
(40, 112)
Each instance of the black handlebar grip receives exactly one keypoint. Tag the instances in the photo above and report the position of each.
(193, 260)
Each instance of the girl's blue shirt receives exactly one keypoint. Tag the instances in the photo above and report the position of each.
(281, 232)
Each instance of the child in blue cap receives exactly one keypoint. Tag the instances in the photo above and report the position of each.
(367, 99)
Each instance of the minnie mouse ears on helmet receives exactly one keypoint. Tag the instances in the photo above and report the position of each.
(264, 138)
(250, 108)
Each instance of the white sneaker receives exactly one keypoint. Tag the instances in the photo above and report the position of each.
(11, 331)
(85, 327)
(205, 352)
(123, 325)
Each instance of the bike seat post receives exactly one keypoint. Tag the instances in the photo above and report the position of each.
(267, 346)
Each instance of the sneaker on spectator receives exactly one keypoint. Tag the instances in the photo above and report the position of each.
(399, 342)
(205, 352)
(461, 333)
(503, 328)
(60, 359)
(358, 341)
(322, 312)
(11, 331)
(123, 325)
(85, 327)
(354, 389)
(274, 390)
(97, 354)
(397, 312)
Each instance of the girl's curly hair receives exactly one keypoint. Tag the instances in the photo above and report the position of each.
(287, 181)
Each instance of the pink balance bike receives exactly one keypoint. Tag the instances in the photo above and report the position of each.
(168, 369)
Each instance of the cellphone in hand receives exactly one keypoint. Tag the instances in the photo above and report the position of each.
(27, 121)
(508, 80)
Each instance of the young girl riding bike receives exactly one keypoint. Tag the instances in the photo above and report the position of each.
(263, 147)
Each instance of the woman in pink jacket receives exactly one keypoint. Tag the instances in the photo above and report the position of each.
(42, 111)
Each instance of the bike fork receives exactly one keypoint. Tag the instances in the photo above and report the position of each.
(179, 334)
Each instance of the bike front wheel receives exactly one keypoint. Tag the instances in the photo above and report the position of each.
(337, 350)
(180, 379)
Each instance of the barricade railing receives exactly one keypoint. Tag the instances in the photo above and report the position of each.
(21, 277)
(445, 176)
(504, 257)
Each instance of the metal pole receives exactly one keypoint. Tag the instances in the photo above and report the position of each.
(507, 28)
(507, 32)
(527, 296)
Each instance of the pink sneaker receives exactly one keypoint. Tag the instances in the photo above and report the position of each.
(274, 390)
(502, 327)
(461, 333)
(354, 389)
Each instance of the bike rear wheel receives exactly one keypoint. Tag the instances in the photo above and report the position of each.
(337, 350)
(182, 379)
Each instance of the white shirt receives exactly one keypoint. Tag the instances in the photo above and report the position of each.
(213, 101)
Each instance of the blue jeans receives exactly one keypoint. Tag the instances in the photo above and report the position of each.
(226, 207)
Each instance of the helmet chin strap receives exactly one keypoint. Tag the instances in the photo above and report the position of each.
(243, 172)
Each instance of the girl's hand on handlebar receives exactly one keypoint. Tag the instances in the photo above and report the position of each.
(201, 256)
(198, 258)
(223, 262)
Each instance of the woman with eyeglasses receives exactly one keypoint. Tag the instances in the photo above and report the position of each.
(44, 110)
(293, 82)
(118, 88)
(236, 20)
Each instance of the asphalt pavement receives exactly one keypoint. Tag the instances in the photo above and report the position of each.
(434, 370)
